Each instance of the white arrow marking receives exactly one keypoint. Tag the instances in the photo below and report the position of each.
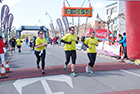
(24, 82)
(47, 88)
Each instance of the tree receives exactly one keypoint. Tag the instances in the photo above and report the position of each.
(110, 21)
(13, 32)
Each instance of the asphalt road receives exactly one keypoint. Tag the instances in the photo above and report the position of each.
(120, 81)
(55, 56)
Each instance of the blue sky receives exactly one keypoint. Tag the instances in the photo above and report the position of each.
(28, 12)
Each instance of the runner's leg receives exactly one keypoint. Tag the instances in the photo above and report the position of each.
(43, 59)
(38, 57)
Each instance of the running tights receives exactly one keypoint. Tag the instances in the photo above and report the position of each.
(92, 58)
(42, 57)
(71, 54)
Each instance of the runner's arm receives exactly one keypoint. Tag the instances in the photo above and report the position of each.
(86, 45)
(38, 46)
(76, 41)
(65, 42)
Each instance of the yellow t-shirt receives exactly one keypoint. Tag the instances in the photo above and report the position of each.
(91, 42)
(39, 41)
(19, 41)
(72, 39)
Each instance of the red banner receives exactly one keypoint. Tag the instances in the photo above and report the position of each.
(102, 33)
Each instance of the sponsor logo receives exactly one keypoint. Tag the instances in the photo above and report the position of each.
(101, 34)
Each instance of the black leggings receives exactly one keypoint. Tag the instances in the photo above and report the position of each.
(125, 52)
(42, 58)
(92, 58)
(71, 54)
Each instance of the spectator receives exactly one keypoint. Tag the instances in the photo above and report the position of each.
(6, 43)
(50, 40)
(2, 45)
(54, 41)
(83, 39)
(119, 38)
(124, 45)
(27, 40)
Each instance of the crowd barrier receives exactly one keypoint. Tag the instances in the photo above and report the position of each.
(108, 48)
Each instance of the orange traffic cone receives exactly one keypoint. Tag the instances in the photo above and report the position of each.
(3, 74)
(7, 69)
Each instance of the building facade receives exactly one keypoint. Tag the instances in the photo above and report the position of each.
(118, 26)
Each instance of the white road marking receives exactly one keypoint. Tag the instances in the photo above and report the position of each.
(47, 88)
(130, 73)
(49, 53)
(24, 82)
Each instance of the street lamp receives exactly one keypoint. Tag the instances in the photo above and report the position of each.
(49, 16)
(40, 21)
(69, 6)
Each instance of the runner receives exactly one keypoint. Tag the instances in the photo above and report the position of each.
(70, 41)
(40, 50)
(27, 40)
(2, 44)
(34, 42)
(19, 41)
(91, 43)
(13, 43)
(31, 45)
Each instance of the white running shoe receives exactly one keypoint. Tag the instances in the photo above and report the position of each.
(87, 69)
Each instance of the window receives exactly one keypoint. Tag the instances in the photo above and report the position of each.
(107, 12)
(114, 9)
(115, 21)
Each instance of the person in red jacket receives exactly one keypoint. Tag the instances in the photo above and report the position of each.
(2, 44)
(54, 41)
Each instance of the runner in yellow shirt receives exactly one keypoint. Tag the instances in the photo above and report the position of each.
(70, 41)
(19, 41)
(40, 51)
(91, 44)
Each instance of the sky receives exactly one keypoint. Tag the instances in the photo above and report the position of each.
(29, 12)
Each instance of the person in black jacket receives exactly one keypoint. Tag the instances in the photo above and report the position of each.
(13, 43)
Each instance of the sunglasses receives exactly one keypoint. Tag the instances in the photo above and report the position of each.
(40, 33)
(73, 30)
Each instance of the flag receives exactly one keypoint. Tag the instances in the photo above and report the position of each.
(9, 22)
(59, 23)
(52, 28)
(4, 16)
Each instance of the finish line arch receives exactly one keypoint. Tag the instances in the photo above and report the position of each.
(43, 28)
